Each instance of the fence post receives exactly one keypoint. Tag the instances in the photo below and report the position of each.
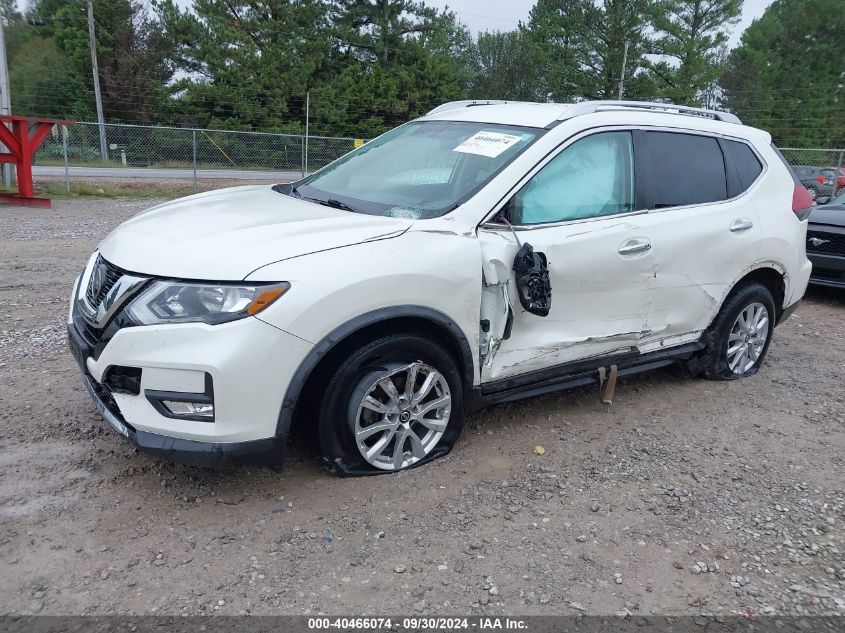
(64, 158)
(307, 120)
(194, 145)
(302, 153)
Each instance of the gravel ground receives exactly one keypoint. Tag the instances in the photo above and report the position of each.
(683, 497)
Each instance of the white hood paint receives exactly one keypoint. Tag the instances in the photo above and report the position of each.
(226, 234)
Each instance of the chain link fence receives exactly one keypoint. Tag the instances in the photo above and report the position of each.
(188, 154)
(140, 152)
(821, 171)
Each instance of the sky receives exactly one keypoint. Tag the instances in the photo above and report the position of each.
(505, 15)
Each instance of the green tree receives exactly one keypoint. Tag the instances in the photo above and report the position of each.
(249, 64)
(786, 74)
(379, 29)
(133, 61)
(391, 60)
(582, 47)
(16, 31)
(38, 83)
(690, 40)
(506, 66)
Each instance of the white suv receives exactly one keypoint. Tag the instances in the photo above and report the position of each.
(485, 252)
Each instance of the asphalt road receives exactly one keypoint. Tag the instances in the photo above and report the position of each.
(154, 173)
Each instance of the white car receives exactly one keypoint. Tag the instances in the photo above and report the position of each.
(485, 252)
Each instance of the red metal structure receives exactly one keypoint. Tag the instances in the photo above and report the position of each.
(22, 140)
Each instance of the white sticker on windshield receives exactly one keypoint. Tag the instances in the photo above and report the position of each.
(489, 144)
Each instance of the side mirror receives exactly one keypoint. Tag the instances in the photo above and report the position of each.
(533, 285)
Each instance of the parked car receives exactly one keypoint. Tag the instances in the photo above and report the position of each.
(819, 180)
(826, 243)
(485, 252)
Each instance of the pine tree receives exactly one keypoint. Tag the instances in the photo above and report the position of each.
(506, 66)
(582, 46)
(690, 42)
(786, 74)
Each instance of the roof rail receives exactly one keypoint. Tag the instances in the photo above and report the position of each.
(454, 105)
(588, 107)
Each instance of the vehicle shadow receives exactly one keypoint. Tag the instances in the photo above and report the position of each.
(826, 295)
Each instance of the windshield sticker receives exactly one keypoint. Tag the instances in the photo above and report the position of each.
(489, 144)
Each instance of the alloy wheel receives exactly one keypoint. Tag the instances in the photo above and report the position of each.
(402, 416)
(748, 337)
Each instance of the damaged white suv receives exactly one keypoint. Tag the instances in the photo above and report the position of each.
(485, 252)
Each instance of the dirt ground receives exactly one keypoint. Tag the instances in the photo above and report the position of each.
(683, 497)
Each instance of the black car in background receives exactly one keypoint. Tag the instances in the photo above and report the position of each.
(826, 243)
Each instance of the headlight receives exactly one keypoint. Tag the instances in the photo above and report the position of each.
(175, 302)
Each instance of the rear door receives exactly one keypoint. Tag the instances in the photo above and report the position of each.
(703, 226)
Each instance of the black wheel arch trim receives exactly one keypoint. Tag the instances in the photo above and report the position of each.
(340, 333)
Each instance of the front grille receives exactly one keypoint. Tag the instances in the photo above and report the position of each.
(834, 243)
(103, 278)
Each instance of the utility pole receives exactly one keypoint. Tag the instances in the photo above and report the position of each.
(93, 43)
(307, 121)
(622, 77)
(5, 103)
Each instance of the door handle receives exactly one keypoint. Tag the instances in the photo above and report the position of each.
(741, 224)
(635, 245)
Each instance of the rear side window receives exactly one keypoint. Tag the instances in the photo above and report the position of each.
(683, 169)
(745, 162)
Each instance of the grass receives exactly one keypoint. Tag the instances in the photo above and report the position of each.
(129, 190)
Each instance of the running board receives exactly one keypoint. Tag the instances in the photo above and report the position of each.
(577, 374)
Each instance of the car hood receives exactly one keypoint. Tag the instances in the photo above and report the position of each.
(828, 214)
(226, 234)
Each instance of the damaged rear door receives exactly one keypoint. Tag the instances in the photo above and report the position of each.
(576, 216)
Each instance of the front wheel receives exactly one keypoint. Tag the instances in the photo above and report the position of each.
(395, 403)
(741, 334)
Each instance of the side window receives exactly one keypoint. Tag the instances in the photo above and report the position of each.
(683, 169)
(745, 162)
(592, 177)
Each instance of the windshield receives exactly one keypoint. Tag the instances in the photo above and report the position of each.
(423, 169)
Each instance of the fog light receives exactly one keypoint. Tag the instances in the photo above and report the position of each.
(179, 405)
(192, 409)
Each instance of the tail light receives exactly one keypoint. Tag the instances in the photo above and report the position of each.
(802, 203)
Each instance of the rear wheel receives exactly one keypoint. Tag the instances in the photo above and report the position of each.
(395, 403)
(740, 335)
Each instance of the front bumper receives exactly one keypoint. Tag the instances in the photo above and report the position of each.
(249, 362)
(266, 452)
(827, 254)
(828, 270)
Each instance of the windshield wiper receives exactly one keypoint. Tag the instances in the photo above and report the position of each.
(331, 202)
(337, 204)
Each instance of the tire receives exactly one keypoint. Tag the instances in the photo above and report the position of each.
(721, 358)
(344, 422)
